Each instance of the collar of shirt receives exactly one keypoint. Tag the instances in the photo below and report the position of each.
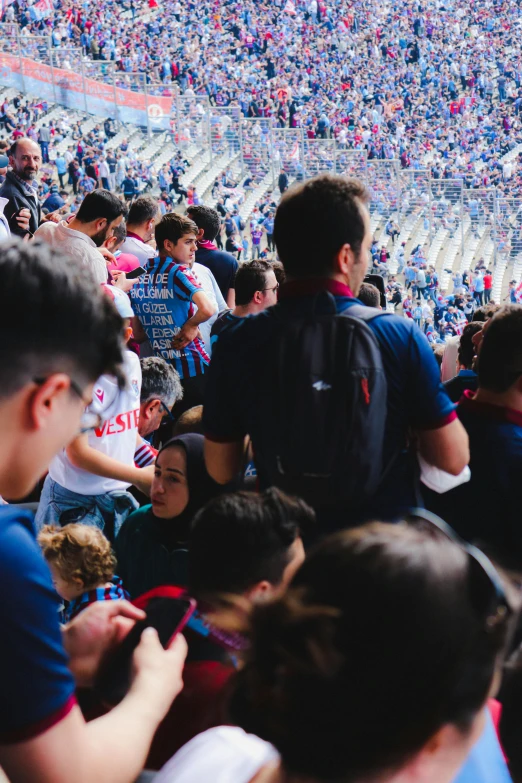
(487, 409)
(311, 285)
(206, 244)
(132, 235)
(63, 227)
(27, 188)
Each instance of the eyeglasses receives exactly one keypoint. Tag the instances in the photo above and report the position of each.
(167, 411)
(500, 606)
(90, 420)
(271, 289)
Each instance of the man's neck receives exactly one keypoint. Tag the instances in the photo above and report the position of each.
(511, 398)
(138, 231)
(77, 225)
(241, 311)
(164, 256)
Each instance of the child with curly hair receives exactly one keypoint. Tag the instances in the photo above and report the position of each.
(82, 566)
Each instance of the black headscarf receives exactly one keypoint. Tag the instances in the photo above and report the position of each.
(201, 489)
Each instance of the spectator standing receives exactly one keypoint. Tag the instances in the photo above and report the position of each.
(478, 288)
(222, 265)
(488, 285)
(170, 306)
(25, 160)
(99, 213)
(416, 398)
(44, 139)
(61, 168)
(256, 289)
(49, 367)
(141, 221)
(282, 181)
(487, 508)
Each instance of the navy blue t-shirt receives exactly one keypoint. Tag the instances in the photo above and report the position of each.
(222, 265)
(416, 397)
(487, 508)
(36, 686)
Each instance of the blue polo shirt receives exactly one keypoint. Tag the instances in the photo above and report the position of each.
(416, 398)
(36, 686)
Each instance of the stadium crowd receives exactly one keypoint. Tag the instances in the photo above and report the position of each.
(440, 87)
(257, 464)
(259, 520)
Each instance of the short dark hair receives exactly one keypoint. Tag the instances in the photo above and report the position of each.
(500, 357)
(53, 318)
(141, 210)
(240, 539)
(250, 277)
(466, 352)
(206, 218)
(315, 219)
(101, 204)
(369, 295)
(173, 226)
(119, 232)
(160, 381)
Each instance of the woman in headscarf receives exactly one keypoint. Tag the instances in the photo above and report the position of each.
(151, 546)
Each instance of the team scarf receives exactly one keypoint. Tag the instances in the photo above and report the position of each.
(114, 592)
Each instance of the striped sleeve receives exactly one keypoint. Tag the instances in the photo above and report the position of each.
(145, 455)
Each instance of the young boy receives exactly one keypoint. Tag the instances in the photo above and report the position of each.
(82, 565)
(87, 481)
(170, 305)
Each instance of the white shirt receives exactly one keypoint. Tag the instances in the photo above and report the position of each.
(225, 754)
(74, 243)
(116, 437)
(212, 290)
(138, 248)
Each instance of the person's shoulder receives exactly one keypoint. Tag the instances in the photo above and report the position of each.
(20, 554)
(225, 747)
(135, 522)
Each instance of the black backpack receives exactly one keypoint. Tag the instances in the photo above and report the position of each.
(325, 406)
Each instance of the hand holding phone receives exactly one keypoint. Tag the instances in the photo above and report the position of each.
(136, 273)
(168, 616)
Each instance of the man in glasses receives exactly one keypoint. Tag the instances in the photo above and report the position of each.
(59, 334)
(256, 289)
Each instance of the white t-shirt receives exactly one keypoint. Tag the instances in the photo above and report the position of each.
(116, 436)
(137, 248)
(225, 754)
(74, 244)
(213, 292)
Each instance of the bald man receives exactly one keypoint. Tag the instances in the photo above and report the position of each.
(25, 159)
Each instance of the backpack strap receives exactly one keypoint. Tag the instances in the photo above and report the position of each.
(363, 313)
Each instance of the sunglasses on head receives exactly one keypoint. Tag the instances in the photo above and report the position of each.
(500, 607)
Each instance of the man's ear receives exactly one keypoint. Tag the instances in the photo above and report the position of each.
(44, 400)
(152, 407)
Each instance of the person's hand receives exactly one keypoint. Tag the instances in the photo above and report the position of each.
(52, 217)
(94, 632)
(185, 336)
(143, 479)
(107, 255)
(23, 218)
(157, 673)
(119, 280)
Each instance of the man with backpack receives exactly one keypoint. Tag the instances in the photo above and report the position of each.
(330, 392)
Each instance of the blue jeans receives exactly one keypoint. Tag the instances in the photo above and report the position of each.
(60, 506)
